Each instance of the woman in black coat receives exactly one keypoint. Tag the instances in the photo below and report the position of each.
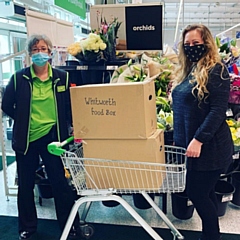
(37, 98)
(200, 100)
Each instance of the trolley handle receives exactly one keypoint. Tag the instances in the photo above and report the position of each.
(55, 148)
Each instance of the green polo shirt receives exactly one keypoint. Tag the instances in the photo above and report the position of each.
(43, 111)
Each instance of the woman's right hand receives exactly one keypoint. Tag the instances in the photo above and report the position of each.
(194, 149)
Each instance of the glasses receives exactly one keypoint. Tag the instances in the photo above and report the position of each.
(43, 49)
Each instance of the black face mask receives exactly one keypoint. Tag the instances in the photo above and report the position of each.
(194, 53)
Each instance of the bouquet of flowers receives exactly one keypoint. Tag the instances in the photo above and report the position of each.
(234, 126)
(89, 49)
(228, 50)
(100, 43)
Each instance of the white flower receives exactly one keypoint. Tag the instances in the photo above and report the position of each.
(93, 43)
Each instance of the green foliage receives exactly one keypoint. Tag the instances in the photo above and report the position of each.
(165, 120)
(117, 25)
(118, 73)
(225, 47)
(137, 73)
(162, 103)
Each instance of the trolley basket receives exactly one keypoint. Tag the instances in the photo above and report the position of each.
(100, 179)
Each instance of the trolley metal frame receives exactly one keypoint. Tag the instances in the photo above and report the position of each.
(101, 179)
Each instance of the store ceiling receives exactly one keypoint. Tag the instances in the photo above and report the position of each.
(221, 14)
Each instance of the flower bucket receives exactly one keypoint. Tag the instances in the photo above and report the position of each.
(236, 184)
(168, 137)
(182, 207)
(94, 73)
(224, 191)
(72, 63)
(111, 203)
(140, 202)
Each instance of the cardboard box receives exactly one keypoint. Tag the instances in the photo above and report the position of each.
(119, 174)
(114, 111)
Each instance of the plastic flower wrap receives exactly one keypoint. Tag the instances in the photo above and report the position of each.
(234, 126)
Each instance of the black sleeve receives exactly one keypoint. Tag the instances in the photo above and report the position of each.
(8, 101)
(68, 102)
(219, 88)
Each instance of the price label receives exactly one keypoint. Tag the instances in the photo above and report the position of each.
(236, 156)
(227, 198)
(229, 112)
(111, 67)
(189, 203)
(82, 67)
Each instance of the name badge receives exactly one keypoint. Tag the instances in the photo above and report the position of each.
(61, 88)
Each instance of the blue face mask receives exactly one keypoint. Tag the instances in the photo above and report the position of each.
(40, 59)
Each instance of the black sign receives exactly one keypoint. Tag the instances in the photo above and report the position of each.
(144, 27)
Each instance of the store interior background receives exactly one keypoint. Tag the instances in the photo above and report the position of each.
(222, 17)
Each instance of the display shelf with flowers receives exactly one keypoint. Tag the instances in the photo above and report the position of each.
(228, 50)
(100, 44)
(234, 96)
(165, 118)
(234, 126)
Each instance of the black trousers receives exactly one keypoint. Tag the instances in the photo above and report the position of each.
(200, 188)
(63, 195)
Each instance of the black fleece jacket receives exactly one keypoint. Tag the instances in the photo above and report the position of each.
(16, 103)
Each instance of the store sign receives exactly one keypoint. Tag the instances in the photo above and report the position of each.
(141, 26)
(144, 27)
(77, 7)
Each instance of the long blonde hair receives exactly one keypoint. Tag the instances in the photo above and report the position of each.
(203, 66)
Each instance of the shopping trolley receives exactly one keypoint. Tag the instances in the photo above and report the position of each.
(104, 179)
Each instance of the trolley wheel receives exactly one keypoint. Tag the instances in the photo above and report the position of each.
(87, 231)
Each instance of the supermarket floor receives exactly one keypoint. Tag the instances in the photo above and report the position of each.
(99, 213)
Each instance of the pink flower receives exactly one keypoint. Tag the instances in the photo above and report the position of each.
(104, 28)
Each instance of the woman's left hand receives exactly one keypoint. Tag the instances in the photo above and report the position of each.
(194, 148)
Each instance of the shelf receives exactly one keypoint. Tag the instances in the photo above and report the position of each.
(90, 67)
(100, 66)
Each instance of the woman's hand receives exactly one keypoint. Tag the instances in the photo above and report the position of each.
(194, 148)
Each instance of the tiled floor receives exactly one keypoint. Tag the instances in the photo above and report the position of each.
(99, 213)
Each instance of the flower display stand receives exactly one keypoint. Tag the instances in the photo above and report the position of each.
(82, 72)
(93, 75)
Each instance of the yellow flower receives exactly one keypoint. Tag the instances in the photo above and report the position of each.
(233, 132)
(92, 43)
(230, 122)
(67, 173)
(234, 127)
(102, 46)
(74, 48)
(234, 138)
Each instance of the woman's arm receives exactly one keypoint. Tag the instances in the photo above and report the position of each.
(8, 101)
(219, 88)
